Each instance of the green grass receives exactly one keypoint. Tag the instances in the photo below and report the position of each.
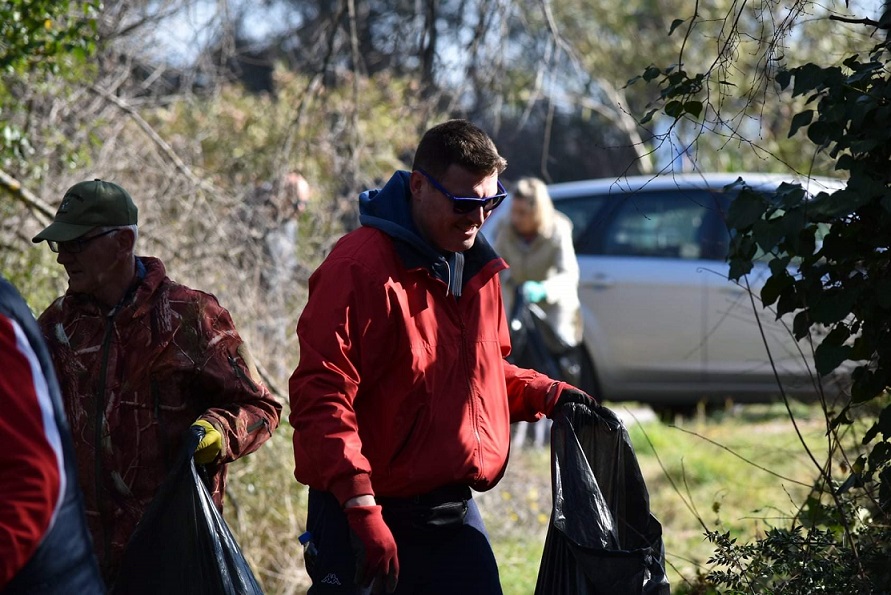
(741, 471)
(725, 473)
(695, 472)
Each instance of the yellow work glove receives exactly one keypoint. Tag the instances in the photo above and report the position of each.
(210, 446)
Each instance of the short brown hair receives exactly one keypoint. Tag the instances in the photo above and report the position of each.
(460, 143)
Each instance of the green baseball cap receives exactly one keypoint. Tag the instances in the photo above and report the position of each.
(87, 205)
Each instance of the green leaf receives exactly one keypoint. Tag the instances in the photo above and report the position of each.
(870, 434)
(779, 265)
(804, 243)
(820, 133)
(833, 306)
(674, 108)
(768, 233)
(866, 145)
(867, 384)
(792, 223)
(694, 108)
(746, 208)
(845, 162)
(739, 267)
(674, 25)
(808, 77)
(742, 246)
(838, 204)
(884, 424)
(800, 119)
(783, 78)
(789, 301)
(774, 286)
(651, 73)
(801, 325)
(648, 116)
(790, 195)
(881, 452)
(885, 485)
(829, 357)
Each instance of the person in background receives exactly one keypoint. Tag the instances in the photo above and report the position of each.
(536, 242)
(402, 400)
(44, 543)
(140, 358)
(270, 216)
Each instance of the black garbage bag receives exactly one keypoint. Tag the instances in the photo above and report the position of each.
(182, 544)
(535, 344)
(602, 538)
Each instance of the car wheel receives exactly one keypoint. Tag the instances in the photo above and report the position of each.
(668, 414)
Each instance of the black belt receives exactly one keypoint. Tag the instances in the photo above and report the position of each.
(449, 493)
(442, 509)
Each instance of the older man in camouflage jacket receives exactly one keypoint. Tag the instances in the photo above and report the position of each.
(140, 358)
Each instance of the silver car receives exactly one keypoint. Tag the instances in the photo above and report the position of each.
(663, 324)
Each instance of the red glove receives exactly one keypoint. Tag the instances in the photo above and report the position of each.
(376, 561)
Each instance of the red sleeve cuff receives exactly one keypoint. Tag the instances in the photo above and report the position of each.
(352, 486)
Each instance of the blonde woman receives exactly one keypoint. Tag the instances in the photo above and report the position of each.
(536, 241)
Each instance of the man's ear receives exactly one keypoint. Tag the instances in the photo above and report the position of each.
(126, 239)
(415, 181)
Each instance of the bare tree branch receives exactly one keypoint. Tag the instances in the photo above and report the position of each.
(41, 210)
(156, 138)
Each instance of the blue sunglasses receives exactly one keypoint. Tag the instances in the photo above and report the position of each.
(467, 204)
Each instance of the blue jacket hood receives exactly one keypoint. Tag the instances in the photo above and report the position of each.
(389, 210)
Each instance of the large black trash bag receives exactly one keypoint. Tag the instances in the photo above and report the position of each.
(602, 539)
(535, 344)
(182, 544)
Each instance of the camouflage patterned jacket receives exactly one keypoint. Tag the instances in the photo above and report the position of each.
(165, 356)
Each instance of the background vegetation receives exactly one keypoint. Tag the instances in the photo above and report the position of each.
(740, 472)
(202, 109)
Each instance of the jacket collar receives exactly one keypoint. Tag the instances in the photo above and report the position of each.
(388, 209)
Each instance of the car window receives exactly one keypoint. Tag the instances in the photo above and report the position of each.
(686, 223)
(666, 224)
(656, 224)
(585, 212)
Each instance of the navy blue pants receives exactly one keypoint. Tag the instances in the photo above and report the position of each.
(440, 562)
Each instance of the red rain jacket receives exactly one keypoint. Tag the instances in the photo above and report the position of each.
(44, 544)
(402, 388)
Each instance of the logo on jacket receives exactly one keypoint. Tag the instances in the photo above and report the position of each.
(331, 579)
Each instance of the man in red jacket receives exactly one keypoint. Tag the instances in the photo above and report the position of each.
(402, 400)
(44, 543)
(139, 359)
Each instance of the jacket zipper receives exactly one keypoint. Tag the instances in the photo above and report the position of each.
(474, 408)
(262, 423)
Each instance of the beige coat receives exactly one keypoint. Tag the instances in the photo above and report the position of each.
(550, 259)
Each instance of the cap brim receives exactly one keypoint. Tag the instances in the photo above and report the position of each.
(62, 232)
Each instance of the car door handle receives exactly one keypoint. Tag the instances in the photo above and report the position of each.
(598, 282)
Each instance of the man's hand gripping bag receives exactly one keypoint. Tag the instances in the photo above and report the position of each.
(182, 544)
(602, 539)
